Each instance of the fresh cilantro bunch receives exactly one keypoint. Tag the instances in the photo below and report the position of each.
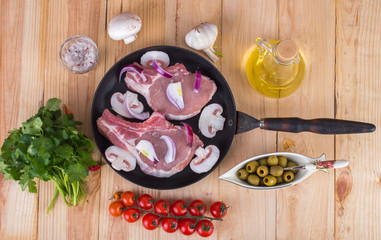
(49, 147)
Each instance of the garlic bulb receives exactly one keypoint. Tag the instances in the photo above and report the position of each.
(202, 38)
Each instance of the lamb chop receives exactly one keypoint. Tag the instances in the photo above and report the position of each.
(128, 135)
(154, 88)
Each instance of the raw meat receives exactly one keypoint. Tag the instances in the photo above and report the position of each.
(154, 90)
(127, 135)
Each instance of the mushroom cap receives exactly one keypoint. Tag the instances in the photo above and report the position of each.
(124, 25)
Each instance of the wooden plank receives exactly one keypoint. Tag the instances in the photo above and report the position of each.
(152, 32)
(306, 211)
(172, 27)
(358, 191)
(22, 62)
(252, 213)
(65, 19)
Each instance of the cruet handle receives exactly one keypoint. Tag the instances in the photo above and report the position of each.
(264, 45)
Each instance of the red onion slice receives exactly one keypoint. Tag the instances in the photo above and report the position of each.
(134, 69)
(140, 116)
(160, 70)
(171, 152)
(198, 82)
(189, 131)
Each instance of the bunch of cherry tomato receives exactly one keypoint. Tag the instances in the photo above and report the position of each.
(188, 219)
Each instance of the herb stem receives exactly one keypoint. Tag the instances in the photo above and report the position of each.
(54, 199)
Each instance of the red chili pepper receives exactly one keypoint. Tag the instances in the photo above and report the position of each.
(94, 168)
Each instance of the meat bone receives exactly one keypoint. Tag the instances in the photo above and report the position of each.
(321, 125)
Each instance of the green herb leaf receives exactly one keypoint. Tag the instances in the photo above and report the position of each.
(53, 104)
(76, 172)
(33, 126)
(10, 142)
(48, 147)
(64, 151)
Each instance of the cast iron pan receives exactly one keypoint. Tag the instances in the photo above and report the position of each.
(193, 62)
(236, 122)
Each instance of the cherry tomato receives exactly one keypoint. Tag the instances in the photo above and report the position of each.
(162, 207)
(127, 199)
(205, 228)
(131, 215)
(170, 225)
(145, 201)
(197, 208)
(218, 209)
(115, 208)
(178, 209)
(151, 221)
(187, 226)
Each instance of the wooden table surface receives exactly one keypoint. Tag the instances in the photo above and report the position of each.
(341, 42)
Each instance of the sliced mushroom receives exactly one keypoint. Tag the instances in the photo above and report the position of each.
(211, 120)
(124, 26)
(120, 159)
(128, 105)
(205, 160)
(161, 58)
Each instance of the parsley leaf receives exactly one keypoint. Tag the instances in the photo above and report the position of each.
(49, 147)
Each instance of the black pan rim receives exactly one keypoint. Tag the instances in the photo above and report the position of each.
(158, 47)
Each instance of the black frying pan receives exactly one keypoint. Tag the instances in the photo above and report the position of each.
(236, 122)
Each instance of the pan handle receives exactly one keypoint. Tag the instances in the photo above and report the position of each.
(321, 125)
(245, 123)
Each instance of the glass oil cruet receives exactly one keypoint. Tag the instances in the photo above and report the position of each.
(275, 68)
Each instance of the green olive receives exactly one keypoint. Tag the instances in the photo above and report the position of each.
(269, 180)
(279, 179)
(288, 176)
(272, 161)
(263, 162)
(276, 171)
(282, 162)
(262, 171)
(252, 166)
(292, 164)
(242, 174)
(261, 182)
(253, 179)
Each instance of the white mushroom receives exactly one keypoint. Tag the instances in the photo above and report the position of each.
(128, 105)
(161, 58)
(211, 120)
(120, 159)
(124, 26)
(202, 38)
(205, 160)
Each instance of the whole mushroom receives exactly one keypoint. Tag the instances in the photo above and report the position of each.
(124, 26)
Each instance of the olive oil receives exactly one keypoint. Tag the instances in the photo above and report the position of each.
(275, 69)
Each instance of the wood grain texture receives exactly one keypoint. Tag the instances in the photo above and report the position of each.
(358, 187)
(341, 43)
(22, 64)
(65, 19)
(306, 211)
(254, 211)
